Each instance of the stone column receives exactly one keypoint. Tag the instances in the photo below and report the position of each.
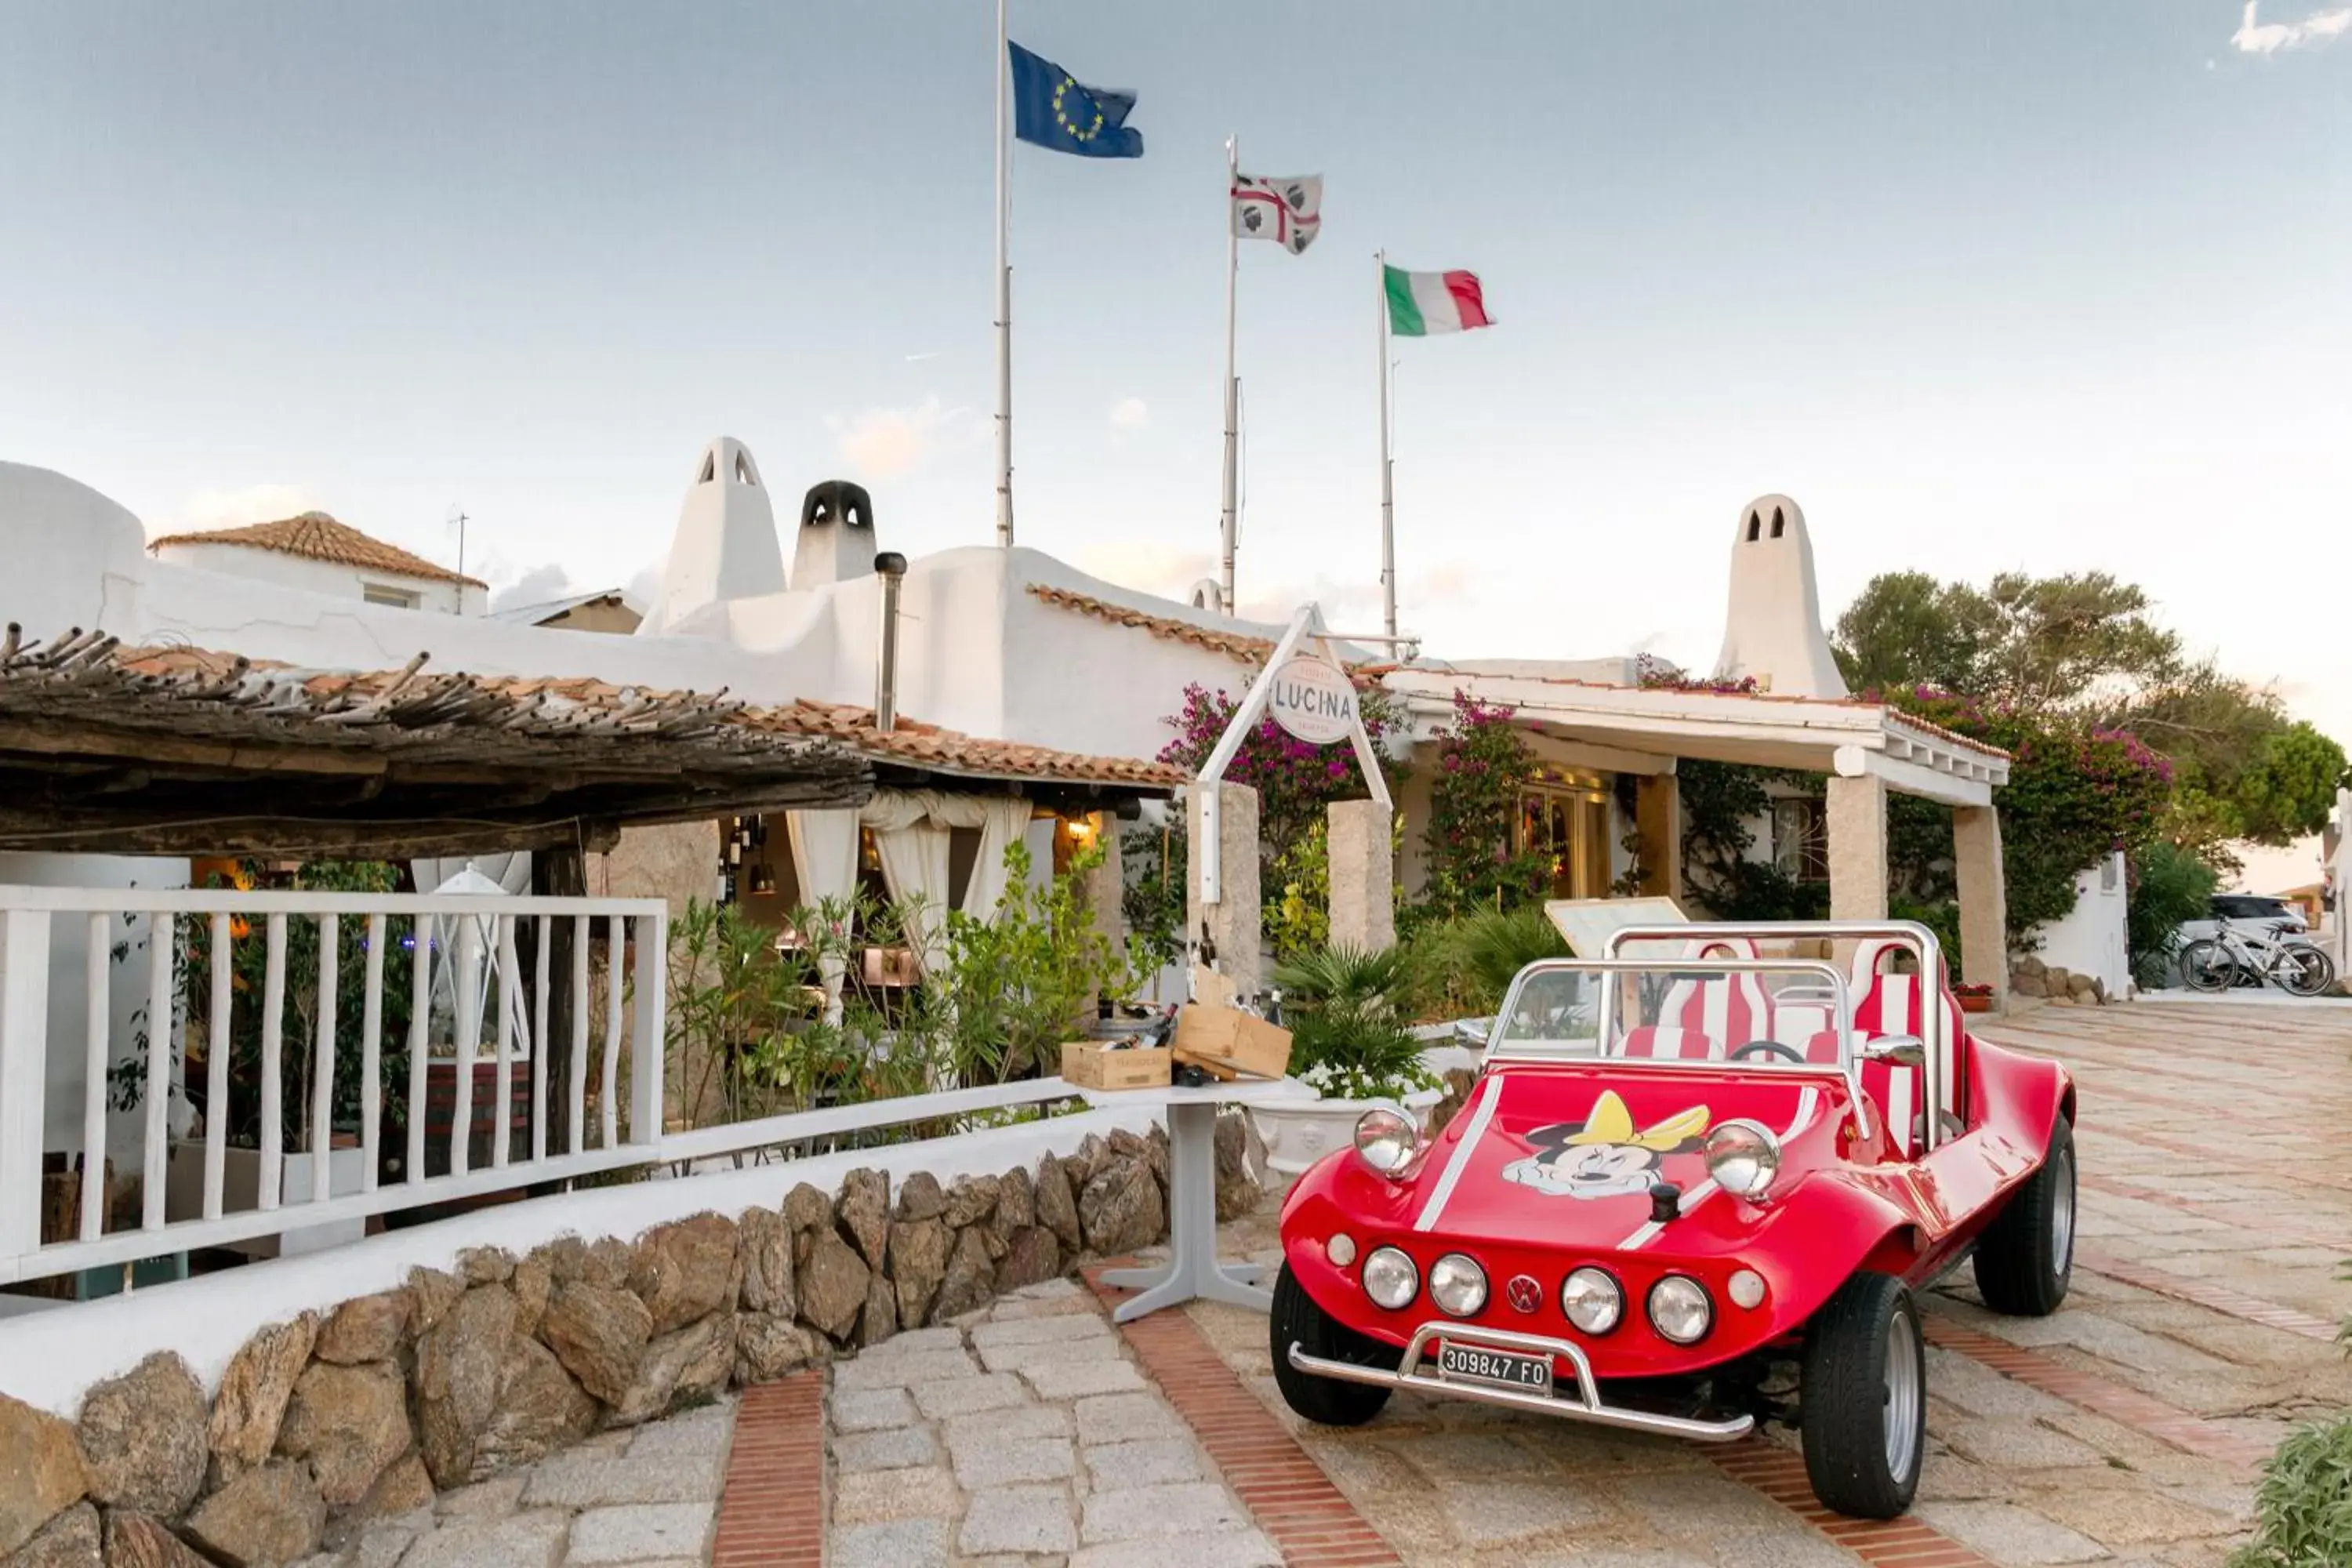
(1857, 822)
(1984, 900)
(1231, 920)
(1363, 875)
(1101, 887)
(1658, 819)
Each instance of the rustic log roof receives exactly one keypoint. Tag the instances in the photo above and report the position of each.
(181, 750)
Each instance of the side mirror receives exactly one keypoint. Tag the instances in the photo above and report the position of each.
(1903, 1050)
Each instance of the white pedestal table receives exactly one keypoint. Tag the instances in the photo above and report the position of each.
(1193, 1269)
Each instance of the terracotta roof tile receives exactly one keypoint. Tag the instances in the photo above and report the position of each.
(1232, 645)
(918, 744)
(315, 536)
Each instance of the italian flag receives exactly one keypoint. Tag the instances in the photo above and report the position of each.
(1420, 303)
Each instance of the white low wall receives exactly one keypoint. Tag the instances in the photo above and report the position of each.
(48, 1359)
(2091, 940)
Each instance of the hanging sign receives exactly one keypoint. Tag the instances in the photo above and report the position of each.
(1313, 702)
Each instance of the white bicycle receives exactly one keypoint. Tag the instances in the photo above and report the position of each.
(2220, 960)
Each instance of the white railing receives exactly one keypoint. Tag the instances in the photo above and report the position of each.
(29, 918)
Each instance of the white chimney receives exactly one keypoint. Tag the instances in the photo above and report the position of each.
(725, 547)
(1772, 629)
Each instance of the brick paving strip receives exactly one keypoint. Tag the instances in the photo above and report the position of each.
(1285, 1491)
(1779, 1474)
(2167, 1423)
(2204, 1293)
(772, 1514)
(2277, 1226)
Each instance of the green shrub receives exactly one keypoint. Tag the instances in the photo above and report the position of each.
(2303, 1510)
(1349, 1013)
(2169, 886)
(1466, 965)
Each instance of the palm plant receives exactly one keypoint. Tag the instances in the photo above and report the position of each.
(1469, 963)
(1348, 1010)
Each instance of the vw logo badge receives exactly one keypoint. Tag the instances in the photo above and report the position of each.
(1524, 1292)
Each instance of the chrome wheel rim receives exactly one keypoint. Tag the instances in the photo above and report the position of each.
(2062, 1216)
(1903, 1395)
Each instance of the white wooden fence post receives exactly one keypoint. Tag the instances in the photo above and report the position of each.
(645, 1057)
(24, 1059)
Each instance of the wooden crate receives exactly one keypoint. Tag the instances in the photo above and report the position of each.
(1088, 1065)
(1226, 1042)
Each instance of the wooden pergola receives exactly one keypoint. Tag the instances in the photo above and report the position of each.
(110, 749)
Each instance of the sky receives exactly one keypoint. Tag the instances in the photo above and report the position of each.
(1991, 287)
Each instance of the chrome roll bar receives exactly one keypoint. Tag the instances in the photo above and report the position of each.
(1918, 937)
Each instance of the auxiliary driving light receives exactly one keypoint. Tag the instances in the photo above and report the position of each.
(1743, 1157)
(1591, 1300)
(1457, 1285)
(1747, 1288)
(1389, 1279)
(1340, 1249)
(1680, 1309)
(1388, 1143)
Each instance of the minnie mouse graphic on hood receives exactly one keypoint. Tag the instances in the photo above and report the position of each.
(1604, 1157)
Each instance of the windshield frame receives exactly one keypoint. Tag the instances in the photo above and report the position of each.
(1607, 1045)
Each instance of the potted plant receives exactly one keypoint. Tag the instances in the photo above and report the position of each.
(340, 1141)
(1974, 999)
(1350, 1013)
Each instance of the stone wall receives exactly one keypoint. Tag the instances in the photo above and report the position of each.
(334, 1419)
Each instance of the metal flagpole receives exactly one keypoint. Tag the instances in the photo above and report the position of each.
(1388, 493)
(1228, 521)
(1003, 296)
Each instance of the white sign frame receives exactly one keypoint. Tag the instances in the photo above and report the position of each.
(1308, 635)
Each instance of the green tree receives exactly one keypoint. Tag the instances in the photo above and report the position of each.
(2032, 642)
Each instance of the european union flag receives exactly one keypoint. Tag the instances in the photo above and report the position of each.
(1052, 109)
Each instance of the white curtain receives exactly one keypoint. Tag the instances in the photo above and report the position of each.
(824, 862)
(1003, 820)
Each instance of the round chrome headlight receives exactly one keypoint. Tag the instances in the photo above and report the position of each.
(1389, 1279)
(1592, 1300)
(1386, 1141)
(1680, 1309)
(1743, 1157)
(1457, 1285)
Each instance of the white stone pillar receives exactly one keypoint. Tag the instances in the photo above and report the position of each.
(1232, 921)
(1984, 900)
(1857, 824)
(1363, 875)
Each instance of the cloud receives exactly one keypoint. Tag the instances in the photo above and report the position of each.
(235, 509)
(883, 443)
(1147, 565)
(535, 586)
(1130, 413)
(2254, 38)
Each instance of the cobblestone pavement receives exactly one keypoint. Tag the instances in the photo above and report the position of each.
(645, 1498)
(2215, 1176)
(1028, 1435)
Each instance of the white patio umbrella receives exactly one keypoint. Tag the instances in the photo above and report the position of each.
(445, 932)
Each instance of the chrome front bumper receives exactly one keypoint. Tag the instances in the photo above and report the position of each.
(1418, 1372)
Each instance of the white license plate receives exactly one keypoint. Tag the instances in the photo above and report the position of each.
(1479, 1364)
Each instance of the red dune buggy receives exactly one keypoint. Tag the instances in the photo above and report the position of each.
(1679, 1179)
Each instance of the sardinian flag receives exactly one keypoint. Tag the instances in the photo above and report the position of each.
(1287, 209)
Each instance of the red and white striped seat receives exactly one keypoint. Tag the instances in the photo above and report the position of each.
(1889, 1004)
(1705, 1018)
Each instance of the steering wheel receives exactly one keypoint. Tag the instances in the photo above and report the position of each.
(1772, 1048)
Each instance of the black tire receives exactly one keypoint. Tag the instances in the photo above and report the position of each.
(2306, 970)
(1862, 1404)
(2026, 1258)
(2207, 965)
(1328, 1401)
